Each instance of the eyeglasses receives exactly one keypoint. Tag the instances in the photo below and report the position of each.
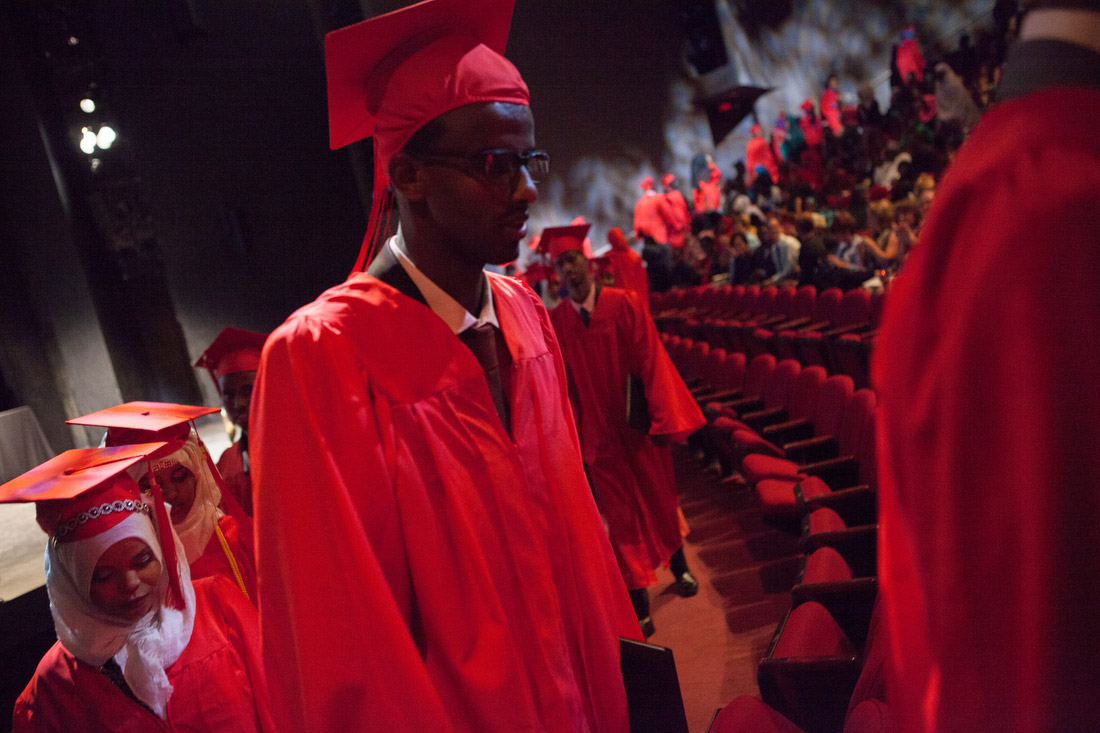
(499, 167)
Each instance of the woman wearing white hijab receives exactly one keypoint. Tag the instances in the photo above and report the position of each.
(215, 543)
(140, 647)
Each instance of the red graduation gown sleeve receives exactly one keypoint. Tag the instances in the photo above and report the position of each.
(632, 477)
(628, 270)
(988, 432)
(419, 569)
(239, 483)
(218, 682)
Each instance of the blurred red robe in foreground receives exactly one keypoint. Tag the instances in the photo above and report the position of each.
(473, 587)
(632, 477)
(988, 430)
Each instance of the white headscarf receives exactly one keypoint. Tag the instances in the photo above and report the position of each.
(196, 528)
(142, 648)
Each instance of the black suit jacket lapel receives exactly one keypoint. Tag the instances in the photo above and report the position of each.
(386, 268)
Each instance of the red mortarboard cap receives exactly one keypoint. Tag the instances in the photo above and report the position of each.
(647, 183)
(617, 239)
(756, 130)
(86, 491)
(234, 350)
(72, 475)
(143, 422)
(807, 106)
(668, 179)
(391, 75)
(562, 239)
(391, 72)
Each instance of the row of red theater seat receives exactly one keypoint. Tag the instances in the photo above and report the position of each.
(805, 443)
(830, 328)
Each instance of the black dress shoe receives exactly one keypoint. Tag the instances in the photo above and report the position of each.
(648, 628)
(687, 584)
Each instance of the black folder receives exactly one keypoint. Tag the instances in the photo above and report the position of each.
(652, 688)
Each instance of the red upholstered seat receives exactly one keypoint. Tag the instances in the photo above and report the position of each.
(826, 520)
(756, 467)
(749, 714)
(870, 716)
(811, 632)
(825, 565)
(749, 441)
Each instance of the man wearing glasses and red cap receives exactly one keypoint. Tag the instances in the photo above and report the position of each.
(430, 556)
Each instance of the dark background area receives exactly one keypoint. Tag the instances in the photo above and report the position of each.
(243, 213)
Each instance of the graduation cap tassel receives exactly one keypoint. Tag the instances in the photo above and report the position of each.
(174, 598)
(379, 216)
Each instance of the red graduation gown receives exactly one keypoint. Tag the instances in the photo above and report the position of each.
(239, 483)
(628, 270)
(759, 153)
(651, 217)
(419, 569)
(679, 218)
(988, 432)
(633, 478)
(218, 680)
(213, 560)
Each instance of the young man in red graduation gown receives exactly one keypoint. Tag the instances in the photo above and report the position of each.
(430, 556)
(232, 359)
(606, 336)
(988, 429)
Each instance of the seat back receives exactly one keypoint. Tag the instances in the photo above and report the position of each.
(781, 306)
(779, 384)
(831, 402)
(857, 419)
(802, 305)
(825, 305)
(825, 565)
(732, 372)
(854, 308)
(804, 394)
(756, 375)
(695, 359)
(748, 300)
(866, 455)
(765, 301)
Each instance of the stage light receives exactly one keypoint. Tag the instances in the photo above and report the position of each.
(87, 104)
(106, 137)
(88, 141)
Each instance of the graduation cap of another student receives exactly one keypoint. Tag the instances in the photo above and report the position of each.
(86, 491)
(726, 110)
(234, 350)
(170, 424)
(142, 422)
(559, 240)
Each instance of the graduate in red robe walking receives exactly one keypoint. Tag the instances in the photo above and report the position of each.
(988, 432)
(140, 646)
(708, 192)
(232, 359)
(678, 215)
(652, 213)
(430, 555)
(758, 154)
(606, 337)
(626, 266)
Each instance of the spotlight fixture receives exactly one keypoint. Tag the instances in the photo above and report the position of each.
(106, 137)
(87, 104)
